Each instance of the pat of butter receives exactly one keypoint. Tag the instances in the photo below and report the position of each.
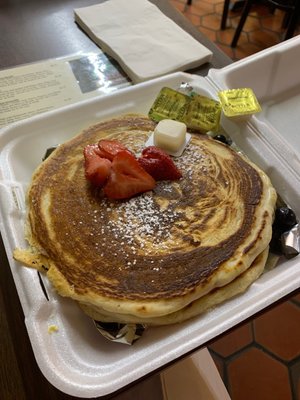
(169, 135)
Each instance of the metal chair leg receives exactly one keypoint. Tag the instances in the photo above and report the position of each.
(225, 14)
(292, 22)
(241, 23)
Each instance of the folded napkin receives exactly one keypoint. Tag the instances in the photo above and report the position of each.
(141, 38)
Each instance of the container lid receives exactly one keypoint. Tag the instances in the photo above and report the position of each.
(273, 134)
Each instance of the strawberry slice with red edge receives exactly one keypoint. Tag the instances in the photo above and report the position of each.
(153, 166)
(127, 177)
(97, 169)
(110, 148)
(159, 164)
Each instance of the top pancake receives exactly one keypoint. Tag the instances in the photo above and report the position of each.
(153, 254)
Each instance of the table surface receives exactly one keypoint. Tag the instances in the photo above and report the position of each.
(30, 31)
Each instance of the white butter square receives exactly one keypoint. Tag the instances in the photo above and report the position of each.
(176, 153)
(169, 135)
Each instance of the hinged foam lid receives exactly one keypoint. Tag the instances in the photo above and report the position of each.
(271, 137)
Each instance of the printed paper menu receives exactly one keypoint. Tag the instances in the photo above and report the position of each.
(39, 87)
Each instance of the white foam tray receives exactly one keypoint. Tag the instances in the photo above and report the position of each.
(77, 359)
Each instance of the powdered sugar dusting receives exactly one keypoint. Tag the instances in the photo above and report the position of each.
(141, 218)
(145, 224)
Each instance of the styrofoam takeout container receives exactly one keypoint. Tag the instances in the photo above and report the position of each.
(77, 359)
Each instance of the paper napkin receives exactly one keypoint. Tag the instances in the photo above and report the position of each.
(144, 41)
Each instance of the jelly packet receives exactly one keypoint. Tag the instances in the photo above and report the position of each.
(197, 112)
(238, 103)
(203, 114)
(169, 104)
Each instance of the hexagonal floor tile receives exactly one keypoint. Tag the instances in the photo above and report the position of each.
(234, 341)
(212, 21)
(278, 330)
(267, 38)
(210, 33)
(245, 49)
(251, 24)
(201, 8)
(226, 36)
(254, 375)
(272, 22)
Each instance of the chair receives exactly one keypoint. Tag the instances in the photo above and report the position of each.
(291, 7)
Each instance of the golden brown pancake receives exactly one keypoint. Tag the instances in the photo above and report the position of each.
(196, 307)
(153, 254)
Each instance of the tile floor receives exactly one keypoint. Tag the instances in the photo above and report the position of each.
(262, 29)
(260, 359)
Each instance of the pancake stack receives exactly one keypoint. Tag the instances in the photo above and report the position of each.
(162, 256)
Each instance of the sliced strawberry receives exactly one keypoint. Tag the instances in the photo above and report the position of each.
(110, 148)
(154, 152)
(159, 164)
(97, 169)
(153, 166)
(127, 177)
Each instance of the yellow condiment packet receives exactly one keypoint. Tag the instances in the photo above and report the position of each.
(203, 114)
(169, 104)
(239, 102)
(197, 112)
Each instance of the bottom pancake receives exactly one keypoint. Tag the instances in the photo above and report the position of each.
(205, 303)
